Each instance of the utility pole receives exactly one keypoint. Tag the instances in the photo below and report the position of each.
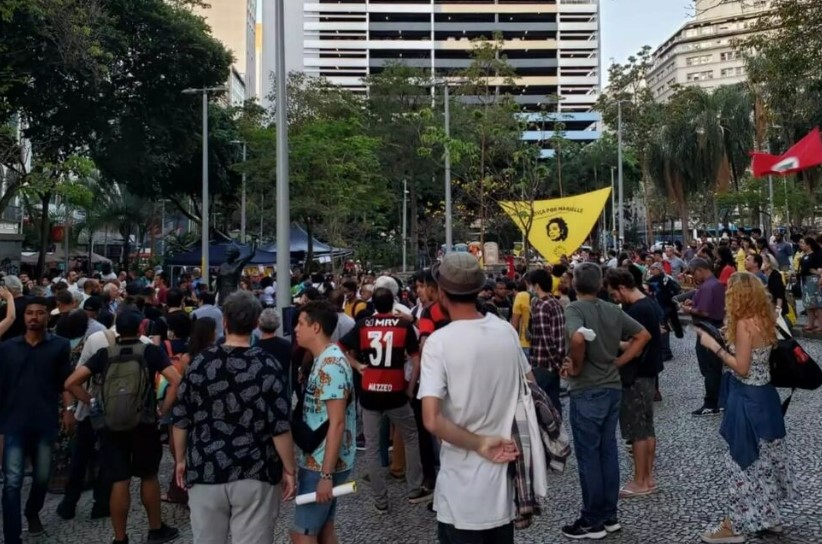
(449, 235)
(205, 230)
(283, 210)
(404, 226)
(619, 177)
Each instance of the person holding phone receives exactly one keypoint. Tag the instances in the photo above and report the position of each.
(756, 463)
(707, 305)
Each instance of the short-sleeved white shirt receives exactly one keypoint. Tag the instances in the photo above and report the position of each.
(474, 367)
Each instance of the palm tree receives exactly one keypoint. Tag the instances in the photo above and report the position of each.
(113, 206)
(701, 134)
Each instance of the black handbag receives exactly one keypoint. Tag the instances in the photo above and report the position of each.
(306, 438)
(792, 367)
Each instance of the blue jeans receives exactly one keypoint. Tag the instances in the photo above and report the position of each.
(594, 418)
(36, 446)
(548, 381)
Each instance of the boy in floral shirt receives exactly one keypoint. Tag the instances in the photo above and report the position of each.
(327, 404)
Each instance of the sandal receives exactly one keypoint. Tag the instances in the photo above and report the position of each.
(627, 493)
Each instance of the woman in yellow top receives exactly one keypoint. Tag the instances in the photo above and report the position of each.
(745, 248)
(521, 315)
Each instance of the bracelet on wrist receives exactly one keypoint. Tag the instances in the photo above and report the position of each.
(720, 348)
(326, 476)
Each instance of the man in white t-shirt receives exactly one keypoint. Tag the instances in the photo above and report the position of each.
(469, 389)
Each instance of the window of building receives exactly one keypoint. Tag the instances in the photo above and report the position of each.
(700, 76)
(729, 55)
(700, 59)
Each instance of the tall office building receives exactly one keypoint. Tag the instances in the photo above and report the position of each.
(553, 45)
(702, 53)
(234, 23)
(293, 44)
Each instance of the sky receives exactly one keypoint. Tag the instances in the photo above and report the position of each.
(627, 25)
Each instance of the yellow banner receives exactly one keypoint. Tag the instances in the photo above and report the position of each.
(559, 226)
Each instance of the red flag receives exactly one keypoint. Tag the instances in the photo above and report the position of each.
(806, 153)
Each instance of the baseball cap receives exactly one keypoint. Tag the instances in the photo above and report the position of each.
(459, 273)
(389, 283)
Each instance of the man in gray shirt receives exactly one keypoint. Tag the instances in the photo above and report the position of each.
(677, 265)
(595, 393)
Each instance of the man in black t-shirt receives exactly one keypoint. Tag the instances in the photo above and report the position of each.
(636, 416)
(381, 344)
(134, 453)
(502, 300)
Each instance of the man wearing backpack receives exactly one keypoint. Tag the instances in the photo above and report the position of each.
(130, 441)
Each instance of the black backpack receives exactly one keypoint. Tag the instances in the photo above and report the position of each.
(792, 367)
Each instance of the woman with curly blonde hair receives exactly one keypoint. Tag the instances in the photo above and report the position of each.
(753, 425)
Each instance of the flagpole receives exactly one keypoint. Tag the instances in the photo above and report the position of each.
(770, 192)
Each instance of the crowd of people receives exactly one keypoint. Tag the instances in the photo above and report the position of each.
(97, 372)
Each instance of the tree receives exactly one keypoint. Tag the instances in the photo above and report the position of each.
(53, 67)
(628, 94)
(397, 97)
(685, 155)
(151, 139)
(784, 65)
(336, 185)
(104, 80)
(48, 180)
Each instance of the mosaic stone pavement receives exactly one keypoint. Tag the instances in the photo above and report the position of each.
(689, 470)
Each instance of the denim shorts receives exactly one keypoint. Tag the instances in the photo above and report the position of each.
(310, 518)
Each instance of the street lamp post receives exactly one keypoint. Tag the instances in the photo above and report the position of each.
(204, 212)
(619, 175)
(242, 197)
(404, 225)
(613, 208)
(449, 238)
(283, 211)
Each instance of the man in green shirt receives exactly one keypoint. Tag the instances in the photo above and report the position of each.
(592, 370)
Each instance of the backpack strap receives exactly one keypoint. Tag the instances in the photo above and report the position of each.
(169, 350)
(785, 334)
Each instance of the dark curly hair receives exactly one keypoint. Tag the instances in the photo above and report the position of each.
(563, 229)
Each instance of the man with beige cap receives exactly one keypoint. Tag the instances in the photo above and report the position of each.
(471, 371)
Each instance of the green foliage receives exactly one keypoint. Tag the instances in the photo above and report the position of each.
(784, 65)
(104, 80)
(336, 186)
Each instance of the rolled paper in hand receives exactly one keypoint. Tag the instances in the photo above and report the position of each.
(588, 334)
(339, 491)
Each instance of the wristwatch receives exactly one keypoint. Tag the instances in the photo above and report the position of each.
(326, 476)
(71, 408)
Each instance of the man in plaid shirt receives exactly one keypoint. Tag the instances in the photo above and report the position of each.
(548, 337)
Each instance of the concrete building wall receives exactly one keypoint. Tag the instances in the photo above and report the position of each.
(702, 52)
(713, 9)
(234, 23)
(553, 45)
(293, 44)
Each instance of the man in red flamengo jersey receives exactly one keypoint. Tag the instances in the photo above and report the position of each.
(381, 343)
(433, 316)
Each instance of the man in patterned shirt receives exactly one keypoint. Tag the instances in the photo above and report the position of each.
(232, 434)
(548, 338)
(326, 404)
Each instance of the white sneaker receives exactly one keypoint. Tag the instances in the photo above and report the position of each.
(723, 534)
